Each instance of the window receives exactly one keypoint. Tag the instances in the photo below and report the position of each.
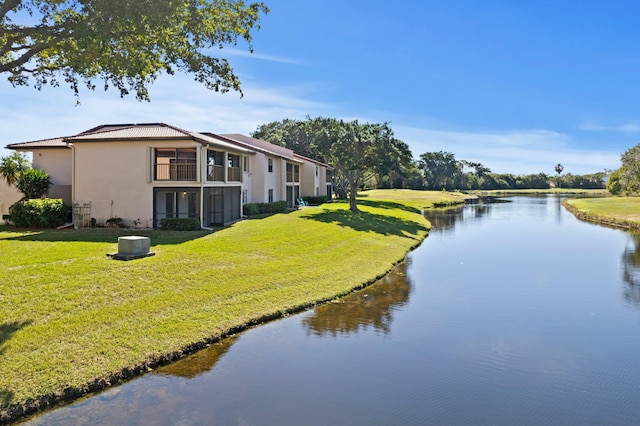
(215, 166)
(270, 165)
(244, 196)
(293, 172)
(245, 164)
(175, 164)
(316, 170)
(271, 195)
(215, 157)
(175, 203)
(233, 172)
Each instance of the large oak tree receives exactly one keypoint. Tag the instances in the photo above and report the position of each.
(355, 151)
(122, 43)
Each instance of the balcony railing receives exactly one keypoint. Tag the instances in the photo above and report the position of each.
(293, 177)
(234, 174)
(215, 173)
(177, 172)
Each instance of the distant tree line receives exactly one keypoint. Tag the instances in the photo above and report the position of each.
(441, 170)
(367, 156)
(626, 179)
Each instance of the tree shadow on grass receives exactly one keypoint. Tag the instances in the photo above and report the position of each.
(7, 329)
(6, 397)
(103, 235)
(388, 205)
(368, 222)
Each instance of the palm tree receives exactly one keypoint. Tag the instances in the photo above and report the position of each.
(12, 167)
(559, 169)
(34, 183)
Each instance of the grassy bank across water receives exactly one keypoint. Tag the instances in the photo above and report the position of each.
(558, 191)
(623, 212)
(73, 320)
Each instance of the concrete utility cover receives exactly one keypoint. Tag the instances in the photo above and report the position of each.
(132, 247)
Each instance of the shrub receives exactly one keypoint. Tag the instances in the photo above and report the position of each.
(180, 224)
(114, 222)
(37, 213)
(615, 185)
(33, 183)
(251, 209)
(316, 200)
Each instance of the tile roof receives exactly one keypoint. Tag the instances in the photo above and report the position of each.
(43, 143)
(147, 131)
(302, 157)
(158, 131)
(214, 139)
(131, 131)
(261, 145)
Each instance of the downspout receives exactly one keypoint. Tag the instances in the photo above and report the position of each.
(73, 172)
(202, 178)
(73, 182)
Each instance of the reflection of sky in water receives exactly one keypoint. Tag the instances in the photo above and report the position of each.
(510, 313)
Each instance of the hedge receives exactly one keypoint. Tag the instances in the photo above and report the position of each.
(316, 200)
(180, 224)
(40, 213)
(251, 209)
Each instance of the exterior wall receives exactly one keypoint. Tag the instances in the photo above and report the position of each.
(273, 180)
(8, 196)
(312, 183)
(57, 163)
(117, 178)
(259, 179)
(309, 180)
(322, 182)
(280, 167)
(246, 191)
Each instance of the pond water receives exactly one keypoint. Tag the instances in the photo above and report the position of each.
(509, 313)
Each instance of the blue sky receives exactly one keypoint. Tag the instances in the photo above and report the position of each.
(516, 85)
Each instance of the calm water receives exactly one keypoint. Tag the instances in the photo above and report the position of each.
(509, 313)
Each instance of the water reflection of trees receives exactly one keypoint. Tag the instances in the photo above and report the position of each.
(371, 307)
(631, 270)
(443, 220)
(198, 362)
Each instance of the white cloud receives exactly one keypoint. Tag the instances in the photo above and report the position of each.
(26, 114)
(261, 56)
(517, 152)
(633, 127)
(591, 126)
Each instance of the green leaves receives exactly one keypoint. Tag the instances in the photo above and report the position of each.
(33, 183)
(12, 166)
(124, 43)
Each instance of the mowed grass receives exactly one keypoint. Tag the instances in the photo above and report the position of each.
(617, 211)
(69, 314)
(407, 198)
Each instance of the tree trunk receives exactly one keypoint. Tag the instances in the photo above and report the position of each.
(352, 200)
(354, 180)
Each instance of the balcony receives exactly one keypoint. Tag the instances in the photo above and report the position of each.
(176, 172)
(215, 173)
(234, 174)
(293, 177)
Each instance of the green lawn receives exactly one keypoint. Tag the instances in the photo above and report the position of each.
(69, 314)
(408, 198)
(617, 211)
